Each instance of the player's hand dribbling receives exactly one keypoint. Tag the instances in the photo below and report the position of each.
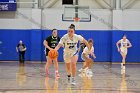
(55, 49)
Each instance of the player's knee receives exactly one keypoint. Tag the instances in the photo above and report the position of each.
(124, 57)
(89, 60)
(73, 65)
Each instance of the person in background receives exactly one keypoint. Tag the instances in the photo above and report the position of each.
(21, 48)
(86, 58)
(124, 45)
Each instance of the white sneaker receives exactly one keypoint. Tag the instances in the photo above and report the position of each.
(57, 75)
(73, 82)
(122, 71)
(85, 70)
(82, 75)
(81, 69)
(89, 73)
(121, 65)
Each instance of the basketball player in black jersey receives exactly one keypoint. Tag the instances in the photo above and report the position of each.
(50, 43)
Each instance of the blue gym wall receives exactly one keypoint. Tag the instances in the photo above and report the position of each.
(105, 48)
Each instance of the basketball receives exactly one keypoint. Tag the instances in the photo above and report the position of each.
(53, 54)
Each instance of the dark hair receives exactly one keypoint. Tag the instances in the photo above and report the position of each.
(72, 26)
(90, 41)
(53, 29)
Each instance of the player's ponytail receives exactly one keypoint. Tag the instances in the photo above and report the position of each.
(72, 26)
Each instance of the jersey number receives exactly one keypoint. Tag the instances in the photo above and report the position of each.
(70, 47)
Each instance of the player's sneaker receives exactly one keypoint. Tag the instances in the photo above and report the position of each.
(57, 75)
(82, 75)
(81, 69)
(122, 71)
(89, 73)
(123, 68)
(73, 82)
(69, 76)
(47, 72)
(121, 65)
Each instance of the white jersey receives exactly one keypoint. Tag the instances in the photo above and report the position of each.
(87, 52)
(123, 43)
(70, 45)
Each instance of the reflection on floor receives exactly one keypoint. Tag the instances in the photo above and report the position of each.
(30, 78)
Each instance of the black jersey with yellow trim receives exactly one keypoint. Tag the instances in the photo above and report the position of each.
(52, 42)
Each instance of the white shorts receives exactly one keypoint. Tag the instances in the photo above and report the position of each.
(123, 50)
(83, 57)
(68, 56)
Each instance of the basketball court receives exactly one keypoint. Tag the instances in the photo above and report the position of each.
(107, 78)
(106, 22)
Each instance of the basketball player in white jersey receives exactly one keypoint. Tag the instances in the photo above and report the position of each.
(124, 45)
(87, 60)
(69, 41)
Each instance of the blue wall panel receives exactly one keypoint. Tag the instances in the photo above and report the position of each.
(105, 44)
(35, 45)
(10, 39)
(133, 52)
(102, 43)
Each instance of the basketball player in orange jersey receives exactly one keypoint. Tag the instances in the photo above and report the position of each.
(50, 43)
(70, 41)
